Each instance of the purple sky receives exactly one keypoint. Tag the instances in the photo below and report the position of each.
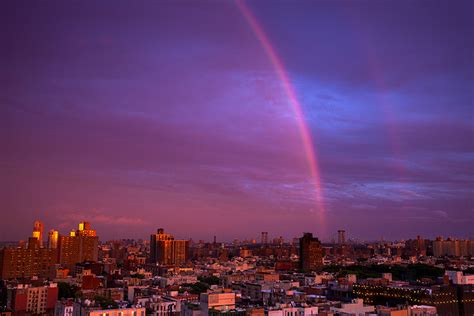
(143, 114)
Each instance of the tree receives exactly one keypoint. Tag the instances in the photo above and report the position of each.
(66, 290)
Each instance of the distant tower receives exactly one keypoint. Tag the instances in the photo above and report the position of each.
(341, 237)
(215, 239)
(264, 238)
(38, 228)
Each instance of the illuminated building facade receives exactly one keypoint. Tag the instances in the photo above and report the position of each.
(85, 230)
(26, 262)
(53, 239)
(311, 253)
(166, 250)
(38, 228)
(81, 245)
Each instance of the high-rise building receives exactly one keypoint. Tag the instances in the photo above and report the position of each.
(341, 237)
(264, 239)
(311, 253)
(38, 228)
(53, 238)
(452, 247)
(81, 245)
(26, 262)
(29, 259)
(166, 250)
(85, 230)
(438, 247)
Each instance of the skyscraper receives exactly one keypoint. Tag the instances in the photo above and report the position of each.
(26, 262)
(53, 238)
(166, 250)
(81, 245)
(38, 228)
(311, 253)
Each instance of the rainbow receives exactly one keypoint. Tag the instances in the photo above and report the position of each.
(304, 130)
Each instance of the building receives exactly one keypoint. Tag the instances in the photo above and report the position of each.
(311, 253)
(355, 308)
(191, 309)
(161, 305)
(458, 277)
(245, 253)
(81, 245)
(29, 299)
(64, 308)
(466, 299)
(221, 300)
(26, 262)
(38, 228)
(445, 298)
(264, 238)
(94, 311)
(341, 237)
(422, 310)
(289, 310)
(85, 229)
(166, 250)
(53, 239)
(452, 247)
(392, 311)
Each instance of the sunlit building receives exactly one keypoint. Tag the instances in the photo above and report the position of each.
(53, 239)
(85, 230)
(38, 229)
(26, 262)
(166, 250)
(81, 245)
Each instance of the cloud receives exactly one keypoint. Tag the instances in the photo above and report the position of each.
(102, 217)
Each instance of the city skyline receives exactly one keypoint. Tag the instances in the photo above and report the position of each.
(233, 118)
(338, 237)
